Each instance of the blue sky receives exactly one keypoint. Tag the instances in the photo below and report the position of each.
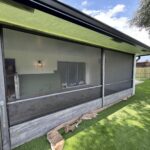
(132, 5)
(115, 13)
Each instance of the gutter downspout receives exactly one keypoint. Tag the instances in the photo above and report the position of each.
(138, 58)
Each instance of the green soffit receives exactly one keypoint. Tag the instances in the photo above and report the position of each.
(38, 21)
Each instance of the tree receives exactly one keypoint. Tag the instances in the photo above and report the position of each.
(142, 15)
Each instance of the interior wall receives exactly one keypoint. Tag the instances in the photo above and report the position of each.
(27, 49)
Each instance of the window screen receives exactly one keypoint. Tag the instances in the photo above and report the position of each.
(118, 72)
(63, 63)
(71, 73)
(81, 73)
(63, 71)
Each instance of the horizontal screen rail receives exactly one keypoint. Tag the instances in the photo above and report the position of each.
(54, 94)
(120, 82)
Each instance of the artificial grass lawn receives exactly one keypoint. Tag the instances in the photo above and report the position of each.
(124, 126)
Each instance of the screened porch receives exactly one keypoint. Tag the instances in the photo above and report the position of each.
(45, 75)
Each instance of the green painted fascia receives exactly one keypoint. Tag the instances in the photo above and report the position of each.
(51, 25)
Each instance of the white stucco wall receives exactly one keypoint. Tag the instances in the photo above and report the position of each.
(27, 49)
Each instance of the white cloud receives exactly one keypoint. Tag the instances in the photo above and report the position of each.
(115, 10)
(121, 23)
(84, 3)
(61, 0)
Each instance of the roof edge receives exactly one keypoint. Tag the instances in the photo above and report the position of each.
(73, 15)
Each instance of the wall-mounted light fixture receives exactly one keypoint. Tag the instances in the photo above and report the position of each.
(39, 63)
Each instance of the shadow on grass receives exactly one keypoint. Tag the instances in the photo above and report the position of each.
(36, 144)
(124, 126)
(101, 115)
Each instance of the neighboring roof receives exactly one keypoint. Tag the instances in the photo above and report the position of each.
(36, 20)
(143, 64)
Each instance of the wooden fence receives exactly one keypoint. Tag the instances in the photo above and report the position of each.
(143, 73)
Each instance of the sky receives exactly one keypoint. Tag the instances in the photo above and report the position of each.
(115, 13)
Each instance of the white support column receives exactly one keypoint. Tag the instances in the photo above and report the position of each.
(134, 74)
(103, 76)
(17, 86)
(3, 113)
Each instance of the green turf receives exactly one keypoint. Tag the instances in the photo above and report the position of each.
(32, 19)
(124, 126)
(37, 144)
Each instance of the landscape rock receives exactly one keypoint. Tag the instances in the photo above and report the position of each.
(56, 140)
(89, 116)
(69, 128)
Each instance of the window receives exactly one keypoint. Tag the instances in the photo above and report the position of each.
(71, 73)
